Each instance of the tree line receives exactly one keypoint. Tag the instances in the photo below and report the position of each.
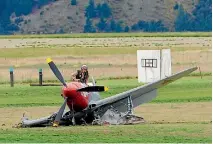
(99, 18)
(107, 23)
(199, 20)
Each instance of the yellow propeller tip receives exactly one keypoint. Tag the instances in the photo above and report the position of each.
(55, 124)
(49, 60)
(106, 88)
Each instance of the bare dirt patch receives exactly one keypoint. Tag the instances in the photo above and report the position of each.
(176, 112)
(153, 113)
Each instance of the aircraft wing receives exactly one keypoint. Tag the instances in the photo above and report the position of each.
(139, 95)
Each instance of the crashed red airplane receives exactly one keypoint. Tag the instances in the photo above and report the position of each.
(86, 107)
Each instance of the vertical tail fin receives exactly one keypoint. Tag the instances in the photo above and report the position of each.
(95, 96)
(93, 82)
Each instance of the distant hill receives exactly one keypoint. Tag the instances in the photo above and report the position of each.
(75, 16)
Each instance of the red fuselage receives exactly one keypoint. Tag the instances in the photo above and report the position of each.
(76, 101)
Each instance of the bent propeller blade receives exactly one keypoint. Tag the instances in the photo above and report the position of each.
(56, 71)
(93, 89)
(60, 113)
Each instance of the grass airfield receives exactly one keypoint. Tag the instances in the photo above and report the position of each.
(180, 113)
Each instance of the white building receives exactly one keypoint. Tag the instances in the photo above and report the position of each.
(153, 65)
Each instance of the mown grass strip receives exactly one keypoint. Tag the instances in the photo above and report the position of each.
(71, 51)
(187, 89)
(29, 52)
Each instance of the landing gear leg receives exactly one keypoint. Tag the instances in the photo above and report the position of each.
(130, 118)
(129, 106)
(73, 114)
(73, 120)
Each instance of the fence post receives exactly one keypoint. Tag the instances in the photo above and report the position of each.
(11, 77)
(200, 73)
(40, 77)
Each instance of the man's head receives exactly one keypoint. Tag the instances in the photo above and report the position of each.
(84, 68)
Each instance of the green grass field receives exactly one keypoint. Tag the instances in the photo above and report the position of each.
(188, 89)
(161, 133)
(190, 95)
(107, 35)
(185, 90)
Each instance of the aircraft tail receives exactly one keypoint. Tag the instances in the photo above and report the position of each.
(95, 96)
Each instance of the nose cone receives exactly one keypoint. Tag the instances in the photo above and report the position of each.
(69, 92)
(71, 89)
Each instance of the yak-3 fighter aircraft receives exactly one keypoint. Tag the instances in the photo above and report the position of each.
(86, 107)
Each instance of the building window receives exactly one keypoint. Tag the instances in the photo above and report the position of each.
(151, 63)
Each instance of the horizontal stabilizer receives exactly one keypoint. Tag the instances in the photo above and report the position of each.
(93, 89)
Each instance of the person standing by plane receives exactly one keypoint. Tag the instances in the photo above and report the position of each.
(81, 75)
